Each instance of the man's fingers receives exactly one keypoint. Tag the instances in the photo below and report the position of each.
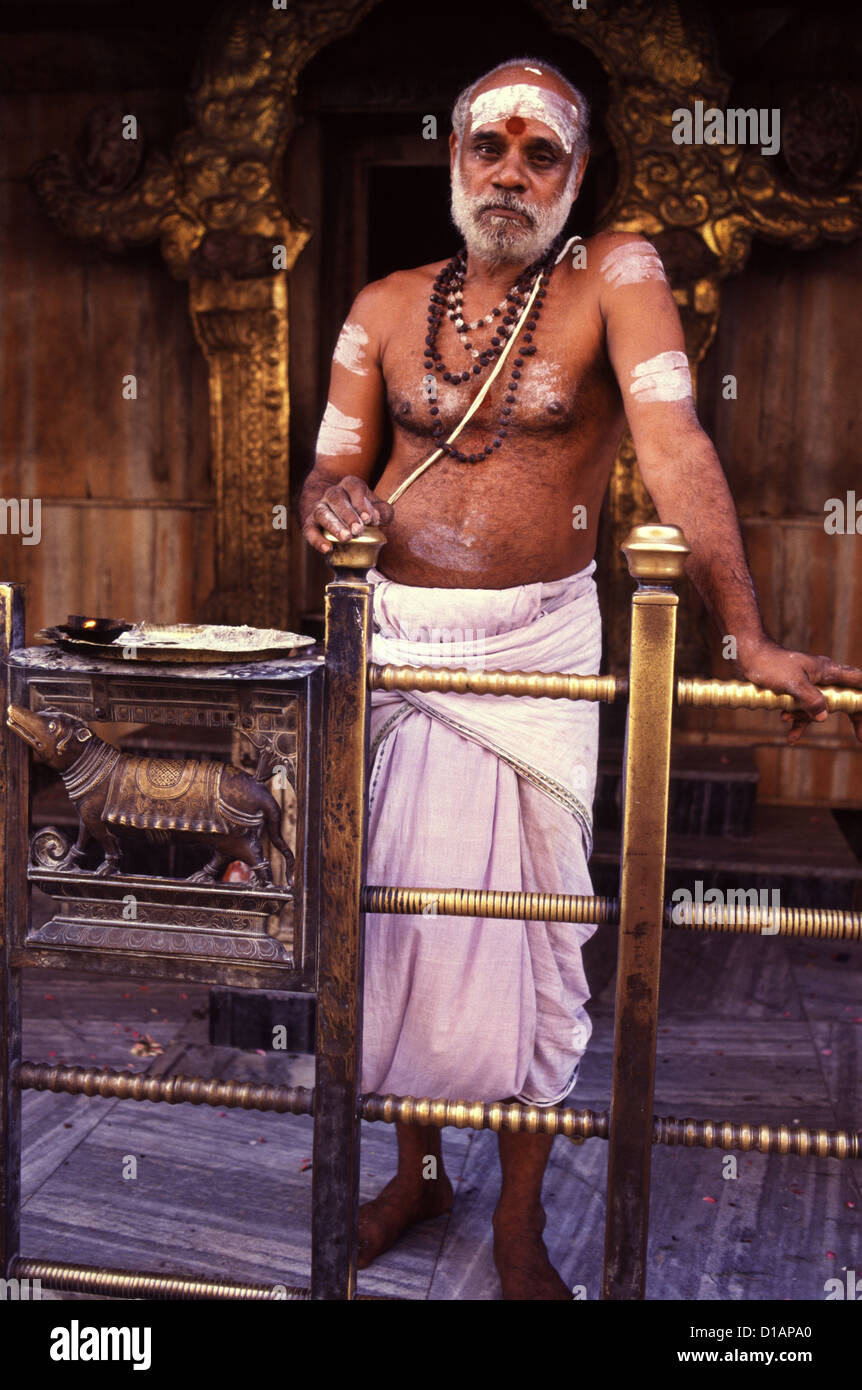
(316, 538)
(335, 513)
(832, 673)
(798, 724)
(811, 700)
(370, 507)
(361, 499)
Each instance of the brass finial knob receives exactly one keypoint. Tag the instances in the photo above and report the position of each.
(359, 552)
(656, 554)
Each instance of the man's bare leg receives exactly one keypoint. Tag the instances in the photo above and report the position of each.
(519, 1251)
(419, 1190)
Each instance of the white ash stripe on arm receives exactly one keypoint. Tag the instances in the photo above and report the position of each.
(350, 348)
(662, 378)
(631, 265)
(338, 432)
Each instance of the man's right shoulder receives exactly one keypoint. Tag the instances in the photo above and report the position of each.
(399, 288)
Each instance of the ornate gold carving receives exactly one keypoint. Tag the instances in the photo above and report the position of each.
(242, 329)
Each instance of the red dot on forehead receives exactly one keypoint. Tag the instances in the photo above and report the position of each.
(515, 125)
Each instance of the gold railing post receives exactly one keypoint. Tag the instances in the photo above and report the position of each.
(338, 1045)
(656, 556)
(13, 902)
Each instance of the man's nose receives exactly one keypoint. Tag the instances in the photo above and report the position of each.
(510, 173)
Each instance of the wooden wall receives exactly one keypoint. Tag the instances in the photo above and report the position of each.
(790, 441)
(124, 484)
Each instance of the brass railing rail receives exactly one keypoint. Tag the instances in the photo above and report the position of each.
(425, 1110)
(557, 685)
(552, 685)
(826, 922)
(743, 695)
(137, 1283)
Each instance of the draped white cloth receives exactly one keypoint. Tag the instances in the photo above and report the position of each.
(480, 791)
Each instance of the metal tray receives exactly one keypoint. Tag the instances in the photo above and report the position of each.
(177, 642)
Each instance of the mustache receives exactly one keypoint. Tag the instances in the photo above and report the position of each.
(511, 204)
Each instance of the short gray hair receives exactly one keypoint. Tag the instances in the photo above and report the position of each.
(464, 99)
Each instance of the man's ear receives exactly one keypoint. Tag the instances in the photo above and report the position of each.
(582, 167)
(453, 150)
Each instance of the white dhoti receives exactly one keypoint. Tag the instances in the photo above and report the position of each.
(480, 791)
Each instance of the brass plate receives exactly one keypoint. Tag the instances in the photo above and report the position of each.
(176, 642)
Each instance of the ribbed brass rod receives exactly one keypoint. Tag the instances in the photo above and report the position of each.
(782, 1139)
(462, 1114)
(122, 1283)
(829, 923)
(553, 685)
(477, 1114)
(490, 902)
(825, 922)
(196, 1090)
(126, 1283)
(744, 695)
(589, 1124)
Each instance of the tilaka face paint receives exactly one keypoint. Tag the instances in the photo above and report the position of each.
(522, 99)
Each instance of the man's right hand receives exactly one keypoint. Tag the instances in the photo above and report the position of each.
(343, 509)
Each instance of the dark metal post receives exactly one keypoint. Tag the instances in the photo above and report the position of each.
(13, 903)
(656, 556)
(346, 711)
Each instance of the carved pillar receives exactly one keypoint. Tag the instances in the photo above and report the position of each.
(241, 326)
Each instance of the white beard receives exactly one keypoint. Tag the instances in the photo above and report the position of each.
(501, 240)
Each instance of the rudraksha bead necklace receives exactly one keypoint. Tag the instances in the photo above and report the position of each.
(448, 284)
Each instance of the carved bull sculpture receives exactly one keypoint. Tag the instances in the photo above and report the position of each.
(159, 798)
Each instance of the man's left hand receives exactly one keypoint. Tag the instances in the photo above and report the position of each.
(799, 674)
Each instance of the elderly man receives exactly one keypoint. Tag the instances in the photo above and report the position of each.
(492, 546)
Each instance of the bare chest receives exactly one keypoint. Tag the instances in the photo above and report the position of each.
(567, 380)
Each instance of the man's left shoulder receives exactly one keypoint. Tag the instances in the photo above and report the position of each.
(607, 242)
(596, 255)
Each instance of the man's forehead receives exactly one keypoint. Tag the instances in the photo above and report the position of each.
(517, 97)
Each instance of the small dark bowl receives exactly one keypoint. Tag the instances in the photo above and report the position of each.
(101, 629)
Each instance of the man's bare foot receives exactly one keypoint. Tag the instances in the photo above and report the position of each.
(522, 1259)
(402, 1203)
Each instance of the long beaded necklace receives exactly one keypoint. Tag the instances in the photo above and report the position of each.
(447, 285)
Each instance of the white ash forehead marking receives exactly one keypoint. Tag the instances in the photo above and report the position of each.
(350, 348)
(662, 378)
(338, 432)
(631, 264)
(523, 99)
(537, 71)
